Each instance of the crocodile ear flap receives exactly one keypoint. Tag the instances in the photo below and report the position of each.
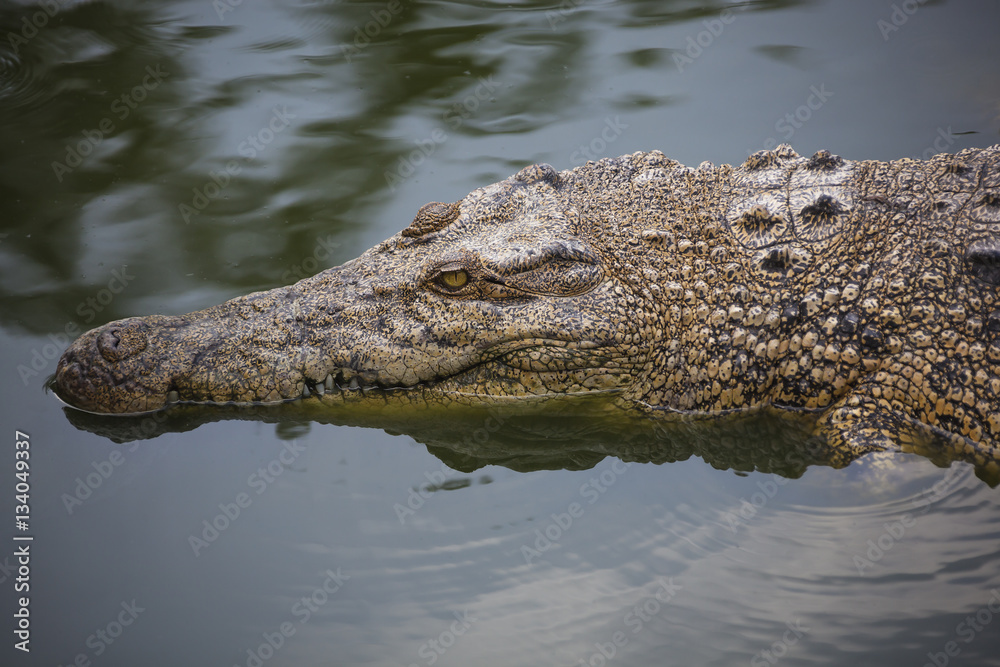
(432, 217)
(539, 173)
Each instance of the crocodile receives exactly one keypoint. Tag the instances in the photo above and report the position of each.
(865, 294)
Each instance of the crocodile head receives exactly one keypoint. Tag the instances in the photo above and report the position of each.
(507, 293)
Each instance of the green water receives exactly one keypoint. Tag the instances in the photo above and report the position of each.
(165, 156)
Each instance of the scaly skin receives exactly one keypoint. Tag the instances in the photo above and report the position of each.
(865, 292)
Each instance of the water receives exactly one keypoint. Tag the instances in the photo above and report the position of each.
(354, 546)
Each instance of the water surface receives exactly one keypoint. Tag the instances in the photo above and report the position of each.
(165, 156)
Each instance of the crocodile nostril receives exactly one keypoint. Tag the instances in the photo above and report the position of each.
(122, 341)
(107, 343)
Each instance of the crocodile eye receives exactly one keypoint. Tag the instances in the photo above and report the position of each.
(453, 279)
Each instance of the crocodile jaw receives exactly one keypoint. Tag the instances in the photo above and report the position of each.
(107, 371)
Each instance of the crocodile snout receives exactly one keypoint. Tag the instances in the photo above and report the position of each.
(104, 370)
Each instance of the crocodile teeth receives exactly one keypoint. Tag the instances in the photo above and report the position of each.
(344, 379)
(305, 390)
(173, 396)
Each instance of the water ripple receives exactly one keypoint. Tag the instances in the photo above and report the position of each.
(21, 82)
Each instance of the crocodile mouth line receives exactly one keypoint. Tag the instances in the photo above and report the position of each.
(340, 383)
(348, 383)
(344, 383)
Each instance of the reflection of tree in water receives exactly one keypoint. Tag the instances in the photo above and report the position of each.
(423, 77)
(397, 81)
(69, 141)
(72, 127)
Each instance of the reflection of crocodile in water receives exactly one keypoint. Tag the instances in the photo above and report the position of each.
(866, 293)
